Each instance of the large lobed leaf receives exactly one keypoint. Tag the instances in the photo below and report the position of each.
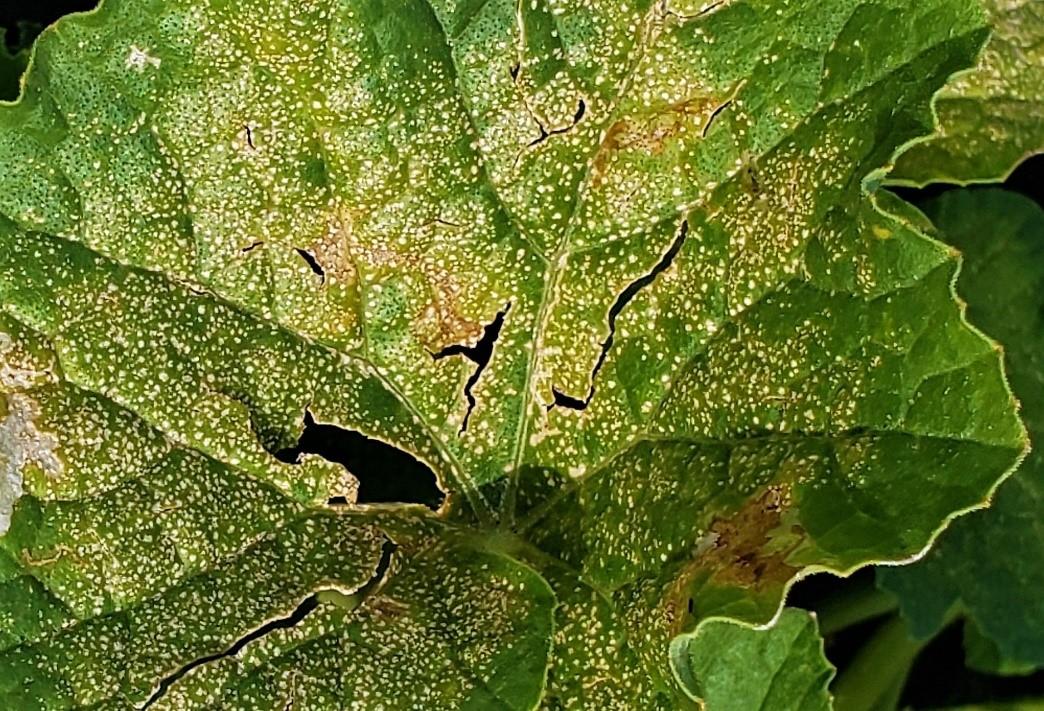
(988, 564)
(719, 363)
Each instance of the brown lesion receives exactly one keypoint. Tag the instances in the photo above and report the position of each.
(439, 322)
(652, 133)
(739, 554)
(386, 607)
(738, 551)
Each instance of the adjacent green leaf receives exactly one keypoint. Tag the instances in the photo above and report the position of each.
(782, 667)
(988, 563)
(717, 361)
(993, 116)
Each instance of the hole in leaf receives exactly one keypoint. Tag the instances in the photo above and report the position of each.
(479, 354)
(386, 474)
(625, 297)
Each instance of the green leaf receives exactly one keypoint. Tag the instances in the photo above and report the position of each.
(681, 354)
(991, 117)
(988, 563)
(782, 667)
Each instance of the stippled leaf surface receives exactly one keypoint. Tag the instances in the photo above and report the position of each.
(782, 667)
(993, 116)
(609, 270)
(988, 564)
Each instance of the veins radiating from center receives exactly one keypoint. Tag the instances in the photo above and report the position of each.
(625, 297)
(479, 354)
(296, 616)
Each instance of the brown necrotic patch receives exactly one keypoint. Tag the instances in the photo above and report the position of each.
(333, 249)
(740, 551)
(440, 319)
(652, 133)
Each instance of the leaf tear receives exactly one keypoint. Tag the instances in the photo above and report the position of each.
(313, 264)
(545, 134)
(296, 616)
(622, 300)
(707, 9)
(479, 354)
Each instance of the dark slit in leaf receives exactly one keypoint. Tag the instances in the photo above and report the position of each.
(683, 18)
(479, 354)
(313, 264)
(625, 297)
(714, 115)
(386, 474)
(303, 609)
(299, 613)
(545, 134)
(388, 548)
